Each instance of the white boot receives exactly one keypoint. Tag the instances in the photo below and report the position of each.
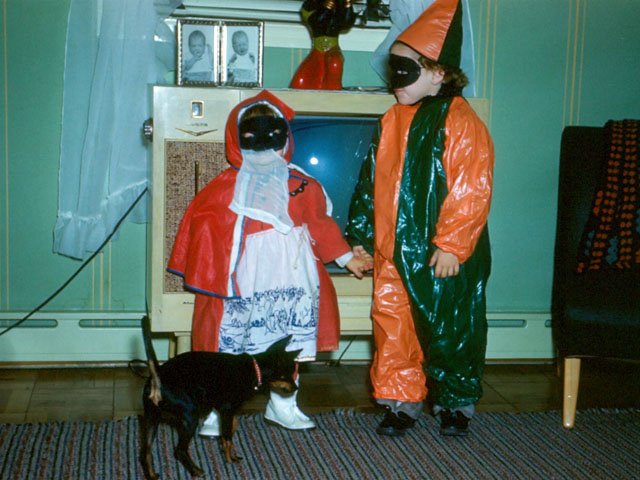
(211, 426)
(284, 411)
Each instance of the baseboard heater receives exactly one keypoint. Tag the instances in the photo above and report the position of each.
(114, 337)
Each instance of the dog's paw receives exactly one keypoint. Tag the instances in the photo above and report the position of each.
(228, 451)
(196, 471)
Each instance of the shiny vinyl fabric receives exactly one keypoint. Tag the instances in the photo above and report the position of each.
(444, 144)
(209, 234)
(205, 238)
(437, 33)
(396, 369)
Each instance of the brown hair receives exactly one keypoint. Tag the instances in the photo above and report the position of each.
(258, 110)
(454, 78)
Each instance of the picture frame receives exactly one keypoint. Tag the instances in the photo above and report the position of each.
(198, 55)
(241, 53)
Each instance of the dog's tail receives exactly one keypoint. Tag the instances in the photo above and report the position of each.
(155, 395)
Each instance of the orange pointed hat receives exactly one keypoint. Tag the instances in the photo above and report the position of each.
(437, 33)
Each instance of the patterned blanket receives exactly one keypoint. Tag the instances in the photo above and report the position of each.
(611, 238)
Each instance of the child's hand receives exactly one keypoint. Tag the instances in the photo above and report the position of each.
(446, 264)
(357, 266)
(360, 252)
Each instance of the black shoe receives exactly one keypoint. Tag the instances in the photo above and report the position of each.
(453, 424)
(395, 425)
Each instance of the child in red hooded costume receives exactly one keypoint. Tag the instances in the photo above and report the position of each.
(252, 245)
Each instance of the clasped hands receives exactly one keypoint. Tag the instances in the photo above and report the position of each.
(361, 262)
(444, 264)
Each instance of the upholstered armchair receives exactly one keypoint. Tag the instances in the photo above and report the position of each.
(595, 313)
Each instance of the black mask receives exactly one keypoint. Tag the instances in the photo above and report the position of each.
(267, 133)
(404, 71)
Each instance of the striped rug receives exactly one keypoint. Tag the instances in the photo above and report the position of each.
(605, 444)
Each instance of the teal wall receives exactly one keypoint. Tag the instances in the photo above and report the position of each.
(542, 64)
(30, 272)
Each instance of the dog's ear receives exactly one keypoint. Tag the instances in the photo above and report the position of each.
(280, 344)
(294, 354)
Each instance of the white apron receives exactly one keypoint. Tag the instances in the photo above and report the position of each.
(279, 295)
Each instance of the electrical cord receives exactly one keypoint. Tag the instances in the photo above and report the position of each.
(337, 363)
(77, 272)
(136, 365)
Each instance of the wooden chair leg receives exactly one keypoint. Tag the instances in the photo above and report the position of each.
(570, 396)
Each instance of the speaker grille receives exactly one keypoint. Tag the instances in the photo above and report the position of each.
(189, 166)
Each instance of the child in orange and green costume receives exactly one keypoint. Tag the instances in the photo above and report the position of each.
(421, 207)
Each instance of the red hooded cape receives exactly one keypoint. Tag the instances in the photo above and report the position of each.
(203, 247)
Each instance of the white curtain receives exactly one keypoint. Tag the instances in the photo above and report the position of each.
(403, 13)
(115, 50)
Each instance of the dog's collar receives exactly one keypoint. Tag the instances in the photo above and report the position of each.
(258, 373)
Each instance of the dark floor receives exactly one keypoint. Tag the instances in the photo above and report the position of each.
(49, 394)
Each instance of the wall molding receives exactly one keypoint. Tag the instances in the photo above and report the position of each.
(287, 11)
(576, 27)
(55, 337)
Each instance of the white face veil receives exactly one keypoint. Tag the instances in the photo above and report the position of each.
(261, 190)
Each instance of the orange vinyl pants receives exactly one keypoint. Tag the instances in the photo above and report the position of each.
(396, 371)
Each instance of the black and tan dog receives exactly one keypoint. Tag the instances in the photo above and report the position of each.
(189, 386)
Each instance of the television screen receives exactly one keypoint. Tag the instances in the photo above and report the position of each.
(331, 149)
